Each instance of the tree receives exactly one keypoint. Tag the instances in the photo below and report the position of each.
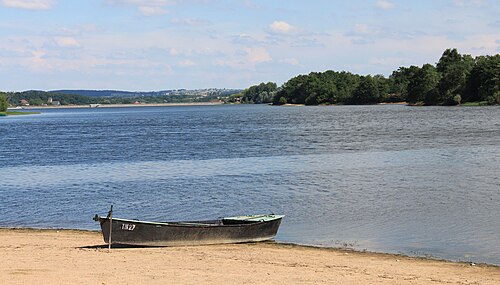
(262, 93)
(382, 85)
(293, 90)
(454, 69)
(398, 82)
(423, 85)
(484, 79)
(327, 87)
(3, 103)
(366, 92)
(455, 79)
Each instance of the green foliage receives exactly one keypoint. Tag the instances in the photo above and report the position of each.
(382, 84)
(19, 113)
(484, 79)
(494, 99)
(279, 100)
(422, 86)
(454, 69)
(235, 98)
(398, 83)
(366, 92)
(456, 79)
(296, 90)
(3, 103)
(327, 87)
(262, 93)
(39, 98)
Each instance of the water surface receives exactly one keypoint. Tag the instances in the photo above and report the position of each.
(419, 181)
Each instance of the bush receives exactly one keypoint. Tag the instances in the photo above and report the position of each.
(494, 99)
(311, 100)
(3, 103)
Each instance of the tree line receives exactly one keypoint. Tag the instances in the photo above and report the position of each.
(455, 79)
(262, 93)
(40, 98)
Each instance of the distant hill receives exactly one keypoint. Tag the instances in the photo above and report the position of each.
(134, 94)
(85, 97)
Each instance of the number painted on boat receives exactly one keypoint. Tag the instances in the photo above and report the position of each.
(128, 227)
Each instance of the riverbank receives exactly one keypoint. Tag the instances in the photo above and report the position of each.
(14, 113)
(78, 257)
(123, 105)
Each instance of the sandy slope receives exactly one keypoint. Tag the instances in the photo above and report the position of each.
(74, 257)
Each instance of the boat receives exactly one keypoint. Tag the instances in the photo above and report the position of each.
(238, 229)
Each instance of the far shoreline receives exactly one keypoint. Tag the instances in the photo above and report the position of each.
(99, 106)
(92, 106)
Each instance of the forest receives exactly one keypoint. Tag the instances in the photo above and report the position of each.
(454, 80)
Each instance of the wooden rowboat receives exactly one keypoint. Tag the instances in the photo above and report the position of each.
(224, 230)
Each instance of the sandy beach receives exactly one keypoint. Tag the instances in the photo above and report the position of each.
(80, 257)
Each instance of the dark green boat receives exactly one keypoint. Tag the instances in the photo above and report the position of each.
(225, 230)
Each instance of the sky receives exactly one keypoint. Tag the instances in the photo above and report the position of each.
(147, 45)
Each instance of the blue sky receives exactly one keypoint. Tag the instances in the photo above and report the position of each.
(146, 45)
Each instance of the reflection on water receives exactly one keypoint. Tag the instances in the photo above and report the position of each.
(386, 178)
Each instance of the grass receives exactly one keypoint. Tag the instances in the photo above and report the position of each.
(481, 103)
(17, 113)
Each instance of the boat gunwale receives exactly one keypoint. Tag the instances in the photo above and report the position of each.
(193, 223)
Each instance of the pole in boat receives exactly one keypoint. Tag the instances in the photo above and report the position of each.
(110, 215)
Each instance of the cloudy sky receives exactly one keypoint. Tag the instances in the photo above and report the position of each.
(146, 45)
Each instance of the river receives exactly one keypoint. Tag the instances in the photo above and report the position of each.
(414, 180)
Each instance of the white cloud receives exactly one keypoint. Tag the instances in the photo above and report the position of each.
(66, 42)
(387, 61)
(146, 7)
(280, 27)
(142, 2)
(246, 60)
(363, 34)
(190, 22)
(29, 4)
(462, 3)
(152, 10)
(245, 40)
(257, 55)
(290, 61)
(37, 62)
(173, 51)
(362, 29)
(186, 63)
(383, 4)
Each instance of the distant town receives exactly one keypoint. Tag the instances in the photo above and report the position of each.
(95, 98)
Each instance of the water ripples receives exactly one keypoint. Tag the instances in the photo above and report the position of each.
(387, 178)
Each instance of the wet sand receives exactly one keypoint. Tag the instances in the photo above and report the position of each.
(79, 257)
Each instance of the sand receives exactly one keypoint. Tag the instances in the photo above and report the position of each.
(78, 257)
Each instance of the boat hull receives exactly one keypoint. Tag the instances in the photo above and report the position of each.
(139, 233)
